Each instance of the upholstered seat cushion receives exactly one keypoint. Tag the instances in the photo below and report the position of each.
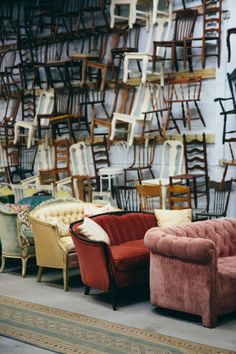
(130, 255)
(68, 244)
(226, 275)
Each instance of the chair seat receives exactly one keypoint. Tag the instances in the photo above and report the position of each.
(109, 171)
(25, 124)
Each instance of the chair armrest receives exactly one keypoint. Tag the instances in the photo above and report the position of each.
(195, 250)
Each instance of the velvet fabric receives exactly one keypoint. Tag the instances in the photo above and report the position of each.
(193, 268)
(125, 261)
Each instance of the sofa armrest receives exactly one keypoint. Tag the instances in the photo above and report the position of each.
(196, 250)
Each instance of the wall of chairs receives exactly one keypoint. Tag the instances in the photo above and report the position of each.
(100, 72)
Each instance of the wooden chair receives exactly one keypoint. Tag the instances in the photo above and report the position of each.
(229, 32)
(219, 194)
(7, 61)
(20, 161)
(157, 32)
(126, 198)
(196, 168)
(228, 112)
(187, 93)
(100, 157)
(211, 36)
(134, 11)
(44, 109)
(143, 157)
(150, 198)
(184, 27)
(179, 196)
(8, 121)
(123, 98)
(61, 163)
(142, 112)
(171, 164)
(82, 181)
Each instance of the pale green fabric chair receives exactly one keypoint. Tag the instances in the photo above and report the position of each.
(16, 237)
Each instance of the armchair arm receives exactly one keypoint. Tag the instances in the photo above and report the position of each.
(24, 231)
(195, 250)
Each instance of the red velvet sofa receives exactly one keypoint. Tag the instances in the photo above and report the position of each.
(124, 262)
(193, 268)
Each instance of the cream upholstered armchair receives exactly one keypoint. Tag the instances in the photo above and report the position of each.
(15, 235)
(50, 224)
(53, 244)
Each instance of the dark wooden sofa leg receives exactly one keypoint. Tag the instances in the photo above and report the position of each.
(86, 290)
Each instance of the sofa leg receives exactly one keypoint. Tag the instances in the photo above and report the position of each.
(65, 278)
(3, 264)
(86, 290)
(209, 321)
(39, 274)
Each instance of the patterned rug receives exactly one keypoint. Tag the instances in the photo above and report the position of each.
(67, 332)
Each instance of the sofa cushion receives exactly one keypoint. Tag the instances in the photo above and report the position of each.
(226, 276)
(173, 217)
(130, 255)
(93, 231)
(127, 227)
(68, 244)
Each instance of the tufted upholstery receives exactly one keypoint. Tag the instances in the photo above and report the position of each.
(193, 267)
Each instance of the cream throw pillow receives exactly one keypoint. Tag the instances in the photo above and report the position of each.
(173, 217)
(93, 231)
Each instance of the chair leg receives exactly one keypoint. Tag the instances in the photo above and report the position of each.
(3, 264)
(65, 278)
(39, 274)
(24, 264)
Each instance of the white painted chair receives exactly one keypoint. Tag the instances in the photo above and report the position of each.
(171, 165)
(137, 117)
(45, 106)
(159, 30)
(112, 172)
(134, 12)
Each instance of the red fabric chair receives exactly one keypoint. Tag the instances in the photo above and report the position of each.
(124, 262)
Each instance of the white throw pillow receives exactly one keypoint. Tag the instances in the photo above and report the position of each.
(173, 217)
(93, 231)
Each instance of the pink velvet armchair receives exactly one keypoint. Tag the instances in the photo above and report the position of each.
(193, 268)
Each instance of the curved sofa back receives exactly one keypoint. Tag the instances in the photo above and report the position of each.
(124, 227)
(221, 231)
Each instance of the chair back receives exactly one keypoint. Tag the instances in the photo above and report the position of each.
(184, 24)
(232, 85)
(126, 198)
(172, 158)
(179, 197)
(150, 197)
(79, 159)
(142, 103)
(45, 106)
(219, 194)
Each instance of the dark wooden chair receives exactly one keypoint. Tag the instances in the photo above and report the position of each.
(229, 32)
(20, 162)
(186, 93)
(70, 112)
(211, 35)
(143, 157)
(219, 194)
(228, 112)
(126, 198)
(196, 168)
(8, 120)
(100, 157)
(184, 27)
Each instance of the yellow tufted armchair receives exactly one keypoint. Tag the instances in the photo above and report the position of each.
(53, 244)
(54, 247)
